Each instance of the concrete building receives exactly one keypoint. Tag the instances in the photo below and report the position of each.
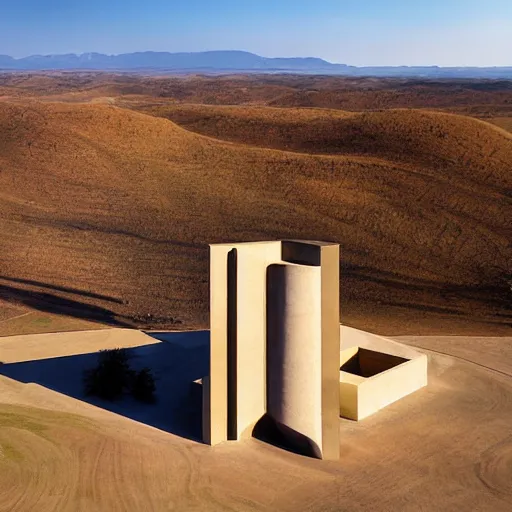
(275, 348)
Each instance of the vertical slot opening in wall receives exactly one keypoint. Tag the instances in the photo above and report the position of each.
(232, 345)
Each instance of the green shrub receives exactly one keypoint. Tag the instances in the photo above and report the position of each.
(113, 377)
(143, 386)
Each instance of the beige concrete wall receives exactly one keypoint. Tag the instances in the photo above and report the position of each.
(349, 392)
(347, 354)
(215, 407)
(348, 386)
(392, 385)
(252, 262)
(361, 397)
(294, 353)
(330, 264)
(250, 338)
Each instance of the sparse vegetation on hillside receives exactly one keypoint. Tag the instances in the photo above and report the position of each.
(476, 97)
(502, 122)
(422, 138)
(123, 205)
(106, 215)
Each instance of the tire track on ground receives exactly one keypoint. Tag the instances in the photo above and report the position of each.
(490, 368)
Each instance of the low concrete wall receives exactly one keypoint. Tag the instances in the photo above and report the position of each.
(361, 397)
(385, 388)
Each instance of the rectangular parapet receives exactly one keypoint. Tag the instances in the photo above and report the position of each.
(371, 380)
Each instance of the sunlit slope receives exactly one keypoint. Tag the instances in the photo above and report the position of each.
(374, 93)
(502, 122)
(107, 213)
(462, 144)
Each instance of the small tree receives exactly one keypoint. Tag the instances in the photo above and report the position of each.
(143, 386)
(111, 377)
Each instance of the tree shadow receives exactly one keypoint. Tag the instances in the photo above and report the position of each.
(176, 361)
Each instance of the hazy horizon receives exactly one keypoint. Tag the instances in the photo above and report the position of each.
(237, 50)
(379, 33)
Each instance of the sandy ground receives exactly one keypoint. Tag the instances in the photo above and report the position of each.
(446, 447)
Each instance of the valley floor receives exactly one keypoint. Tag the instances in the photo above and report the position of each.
(446, 447)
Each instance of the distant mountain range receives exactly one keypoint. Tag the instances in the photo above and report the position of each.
(233, 61)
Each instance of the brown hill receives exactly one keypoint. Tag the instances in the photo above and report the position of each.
(480, 97)
(502, 122)
(409, 136)
(106, 213)
(397, 94)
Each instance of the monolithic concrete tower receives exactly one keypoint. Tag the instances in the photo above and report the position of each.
(275, 343)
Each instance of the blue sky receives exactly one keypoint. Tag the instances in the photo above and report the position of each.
(358, 32)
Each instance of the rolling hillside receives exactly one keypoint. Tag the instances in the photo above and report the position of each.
(477, 98)
(106, 213)
(409, 136)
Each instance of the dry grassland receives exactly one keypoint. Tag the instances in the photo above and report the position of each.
(111, 187)
(107, 213)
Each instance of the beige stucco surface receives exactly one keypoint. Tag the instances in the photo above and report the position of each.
(240, 315)
(330, 263)
(252, 261)
(294, 359)
(361, 397)
(377, 392)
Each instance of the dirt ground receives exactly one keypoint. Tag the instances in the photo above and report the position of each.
(112, 187)
(115, 224)
(446, 447)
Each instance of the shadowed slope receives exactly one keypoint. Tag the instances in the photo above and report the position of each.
(119, 204)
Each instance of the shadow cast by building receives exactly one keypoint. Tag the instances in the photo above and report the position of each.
(176, 360)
